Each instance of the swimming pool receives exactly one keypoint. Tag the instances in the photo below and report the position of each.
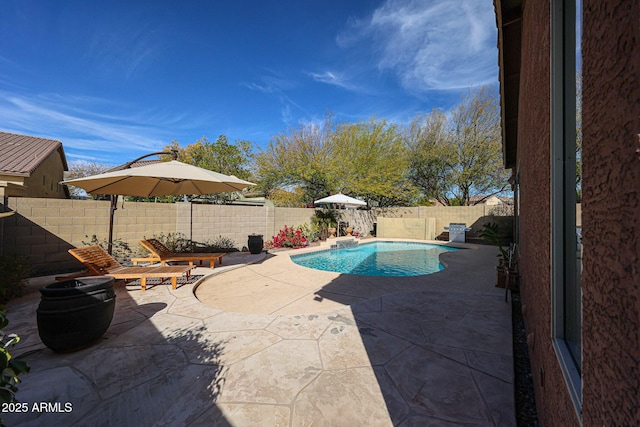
(377, 259)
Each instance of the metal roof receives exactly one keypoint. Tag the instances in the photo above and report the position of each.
(20, 155)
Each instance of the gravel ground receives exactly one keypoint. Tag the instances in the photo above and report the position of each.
(526, 414)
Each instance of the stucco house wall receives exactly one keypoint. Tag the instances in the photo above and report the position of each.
(45, 180)
(610, 213)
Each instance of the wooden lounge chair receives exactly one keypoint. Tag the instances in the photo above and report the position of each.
(99, 262)
(160, 253)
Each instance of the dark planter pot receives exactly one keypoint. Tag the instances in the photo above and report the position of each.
(255, 243)
(74, 313)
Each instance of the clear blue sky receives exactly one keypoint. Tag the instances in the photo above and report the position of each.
(114, 80)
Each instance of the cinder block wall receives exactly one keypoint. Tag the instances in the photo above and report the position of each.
(206, 223)
(44, 229)
(472, 216)
(406, 228)
(288, 216)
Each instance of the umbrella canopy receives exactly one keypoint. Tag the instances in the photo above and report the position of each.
(341, 199)
(157, 179)
(160, 179)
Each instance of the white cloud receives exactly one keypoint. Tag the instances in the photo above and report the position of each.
(430, 45)
(336, 78)
(270, 82)
(74, 122)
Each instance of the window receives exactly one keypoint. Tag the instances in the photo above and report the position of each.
(566, 232)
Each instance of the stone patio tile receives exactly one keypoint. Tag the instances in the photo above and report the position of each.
(499, 366)
(60, 385)
(367, 306)
(500, 405)
(403, 325)
(301, 326)
(343, 346)
(161, 328)
(405, 300)
(245, 414)
(396, 405)
(135, 365)
(227, 348)
(191, 307)
(493, 336)
(229, 321)
(285, 369)
(423, 421)
(263, 296)
(316, 303)
(349, 397)
(183, 393)
(438, 387)
(311, 281)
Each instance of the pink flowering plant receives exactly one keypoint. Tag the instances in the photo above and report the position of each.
(290, 237)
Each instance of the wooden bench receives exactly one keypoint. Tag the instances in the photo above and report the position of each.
(99, 262)
(160, 253)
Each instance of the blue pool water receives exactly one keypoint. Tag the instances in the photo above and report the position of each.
(377, 259)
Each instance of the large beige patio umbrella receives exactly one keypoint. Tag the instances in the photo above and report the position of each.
(160, 179)
(157, 179)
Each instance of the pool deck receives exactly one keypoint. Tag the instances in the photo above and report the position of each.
(274, 344)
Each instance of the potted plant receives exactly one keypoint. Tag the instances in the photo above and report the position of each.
(325, 221)
(507, 272)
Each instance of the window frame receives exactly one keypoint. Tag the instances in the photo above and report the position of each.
(565, 285)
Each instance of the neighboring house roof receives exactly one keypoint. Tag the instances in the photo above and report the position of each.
(488, 200)
(20, 155)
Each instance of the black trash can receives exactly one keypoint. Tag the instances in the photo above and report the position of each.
(255, 243)
(74, 313)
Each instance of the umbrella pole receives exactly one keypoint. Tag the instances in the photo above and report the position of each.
(112, 210)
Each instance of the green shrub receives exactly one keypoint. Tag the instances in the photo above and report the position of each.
(219, 244)
(13, 270)
(10, 367)
(175, 242)
(121, 250)
(324, 218)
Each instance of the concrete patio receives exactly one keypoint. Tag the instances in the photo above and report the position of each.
(274, 344)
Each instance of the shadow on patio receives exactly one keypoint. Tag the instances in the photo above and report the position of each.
(155, 365)
(439, 346)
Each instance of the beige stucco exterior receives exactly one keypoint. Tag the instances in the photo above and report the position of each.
(43, 182)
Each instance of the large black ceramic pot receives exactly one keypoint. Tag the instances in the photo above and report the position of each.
(255, 243)
(74, 313)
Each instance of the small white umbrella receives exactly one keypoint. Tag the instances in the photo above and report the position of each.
(342, 200)
(157, 179)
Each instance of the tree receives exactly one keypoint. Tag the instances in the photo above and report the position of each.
(300, 157)
(365, 159)
(80, 169)
(372, 161)
(219, 156)
(457, 158)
